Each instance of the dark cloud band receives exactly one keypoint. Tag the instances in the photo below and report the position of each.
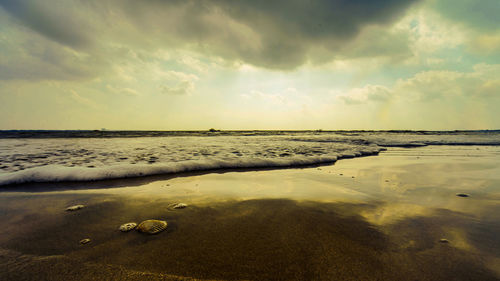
(279, 34)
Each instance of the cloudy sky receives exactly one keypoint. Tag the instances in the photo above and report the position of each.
(260, 64)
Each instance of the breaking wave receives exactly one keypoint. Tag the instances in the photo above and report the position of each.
(75, 158)
(57, 173)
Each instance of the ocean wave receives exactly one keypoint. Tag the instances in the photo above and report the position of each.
(25, 160)
(57, 173)
(22, 154)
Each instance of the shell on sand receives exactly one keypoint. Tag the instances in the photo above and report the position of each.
(74, 208)
(85, 241)
(127, 226)
(152, 226)
(180, 206)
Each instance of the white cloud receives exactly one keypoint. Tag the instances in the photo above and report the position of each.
(273, 98)
(289, 97)
(366, 94)
(122, 91)
(482, 82)
(485, 43)
(175, 75)
(82, 100)
(430, 33)
(184, 87)
(174, 82)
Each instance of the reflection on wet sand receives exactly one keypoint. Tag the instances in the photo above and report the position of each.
(300, 224)
(276, 239)
(385, 214)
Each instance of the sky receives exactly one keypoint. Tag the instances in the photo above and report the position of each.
(244, 65)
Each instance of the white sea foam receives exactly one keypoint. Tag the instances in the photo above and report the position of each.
(57, 173)
(88, 159)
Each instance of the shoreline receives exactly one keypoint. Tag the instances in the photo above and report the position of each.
(47, 186)
(164, 170)
(142, 179)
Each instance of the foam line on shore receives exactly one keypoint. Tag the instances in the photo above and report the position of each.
(57, 173)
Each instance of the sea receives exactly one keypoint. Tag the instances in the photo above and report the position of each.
(59, 156)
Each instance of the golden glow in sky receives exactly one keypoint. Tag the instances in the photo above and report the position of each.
(187, 65)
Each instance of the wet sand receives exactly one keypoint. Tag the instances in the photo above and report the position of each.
(370, 218)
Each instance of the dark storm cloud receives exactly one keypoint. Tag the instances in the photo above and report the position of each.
(280, 34)
(287, 30)
(57, 20)
(48, 61)
(320, 19)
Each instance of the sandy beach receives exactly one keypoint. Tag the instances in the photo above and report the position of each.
(250, 140)
(370, 218)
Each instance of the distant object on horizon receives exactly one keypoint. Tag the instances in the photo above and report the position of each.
(212, 130)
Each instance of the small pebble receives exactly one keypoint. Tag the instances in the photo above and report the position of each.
(127, 226)
(85, 241)
(462, 195)
(74, 208)
(180, 206)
